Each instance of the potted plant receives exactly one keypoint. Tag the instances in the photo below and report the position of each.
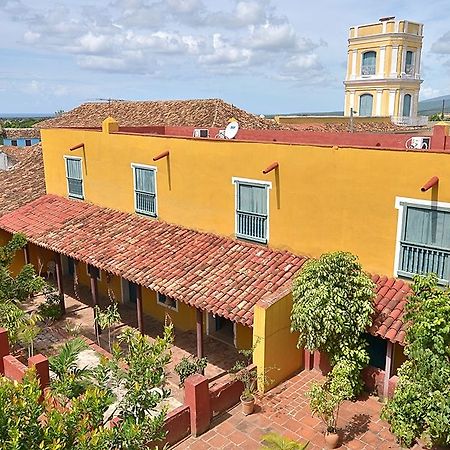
(325, 400)
(248, 375)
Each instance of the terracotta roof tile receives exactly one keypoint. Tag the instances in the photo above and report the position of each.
(391, 297)
(26, 133)
(24, 182)
(202, 113)
(198, 268)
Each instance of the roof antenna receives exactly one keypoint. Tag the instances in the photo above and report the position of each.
(215, 114)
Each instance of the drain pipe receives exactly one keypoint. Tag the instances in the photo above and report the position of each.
(429, 184)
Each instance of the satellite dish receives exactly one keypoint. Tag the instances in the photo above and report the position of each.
(231, 130)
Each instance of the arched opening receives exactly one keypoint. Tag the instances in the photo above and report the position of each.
(369, 63)
(407, 105)
(365, 105)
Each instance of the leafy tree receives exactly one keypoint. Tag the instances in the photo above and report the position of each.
(106, 319)
(190, 365)
(83, 422)
(70, 380)
(333, 305)
(14, 290)
(420, 406)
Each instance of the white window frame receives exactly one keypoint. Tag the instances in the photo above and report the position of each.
(268, 185)
(155, 170)
(160, 303)
(79, 158)
(400, 204)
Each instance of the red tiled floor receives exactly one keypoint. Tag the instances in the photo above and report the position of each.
(285, 410)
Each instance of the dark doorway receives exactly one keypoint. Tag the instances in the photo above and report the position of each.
(132, 292)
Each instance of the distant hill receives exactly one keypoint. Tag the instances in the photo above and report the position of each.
(426, 108)
(434, 105)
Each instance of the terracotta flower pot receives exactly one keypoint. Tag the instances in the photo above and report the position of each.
(248, 405)
(331, 440)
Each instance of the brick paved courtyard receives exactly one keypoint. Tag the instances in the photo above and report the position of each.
(285, 410)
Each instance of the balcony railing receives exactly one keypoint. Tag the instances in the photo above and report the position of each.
(75, 187)
(146, 203)
(252, 226)
(406, 121)
(368, 70)
(416, 259)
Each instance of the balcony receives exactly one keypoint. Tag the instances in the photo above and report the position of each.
(368, 70)
(417, 259)
(146, 203)
(252, 226)
(406, 121)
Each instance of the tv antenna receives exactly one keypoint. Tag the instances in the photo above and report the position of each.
(231, 130)
(104, 100)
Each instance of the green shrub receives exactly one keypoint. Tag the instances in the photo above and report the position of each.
(189, 366)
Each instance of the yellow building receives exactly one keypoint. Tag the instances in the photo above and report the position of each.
(211, 230)
(383, 69)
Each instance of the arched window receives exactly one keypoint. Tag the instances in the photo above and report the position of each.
(407, 105)
(365, 105)
(409, 63)
(369, 63)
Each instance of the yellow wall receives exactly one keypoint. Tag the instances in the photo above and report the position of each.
(276, 353)
(19, 258)
(322, 199)
(183, 319)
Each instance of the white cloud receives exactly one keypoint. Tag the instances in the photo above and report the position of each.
(442, 45)
(224, 53)
(30, 37)
(92, 43)
(427, 92)
(273, 36)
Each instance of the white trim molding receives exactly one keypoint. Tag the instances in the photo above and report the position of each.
(400, 203)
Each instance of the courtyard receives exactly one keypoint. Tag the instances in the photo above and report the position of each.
(285, 410)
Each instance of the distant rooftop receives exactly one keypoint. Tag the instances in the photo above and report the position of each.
(17, 133)
(205, 113)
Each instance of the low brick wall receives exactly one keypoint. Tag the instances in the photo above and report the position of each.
(374, 381)
(177, 425)
(13, 368)
(224, 395)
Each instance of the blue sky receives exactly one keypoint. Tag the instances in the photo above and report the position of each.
(262, 55)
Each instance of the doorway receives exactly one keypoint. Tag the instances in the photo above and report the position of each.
(129, 291)
(221, 329)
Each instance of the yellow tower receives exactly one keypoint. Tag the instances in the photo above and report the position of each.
(383, 70)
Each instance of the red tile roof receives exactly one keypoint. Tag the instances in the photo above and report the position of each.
(392, 295)
(202, 113)
(25, 181)
(217, 274)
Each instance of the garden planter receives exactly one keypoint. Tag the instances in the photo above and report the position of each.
(331, 440)
(248, 405)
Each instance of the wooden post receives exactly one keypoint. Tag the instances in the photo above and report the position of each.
(59, 280)
(139, 314)
(199, 317)
(388, 368)
(26, 254)
(94, 292)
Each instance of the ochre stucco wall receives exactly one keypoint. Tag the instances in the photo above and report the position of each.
(276, 353)
(322, 198)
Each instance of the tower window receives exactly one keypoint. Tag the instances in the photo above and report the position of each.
(369, 63)
(409, 63)
(407, 105)
(365, 105)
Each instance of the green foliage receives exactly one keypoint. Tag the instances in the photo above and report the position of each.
(275, 441)
(420, 406)
(29, 331)
(82, 422)
(189, 366)
(50, 310)
(333, 305)
(248, 375)
(25, 122)
(107, 318)
(325, 399)
(140, 369)
(70, 380)
(12, 318)
(436, 117)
